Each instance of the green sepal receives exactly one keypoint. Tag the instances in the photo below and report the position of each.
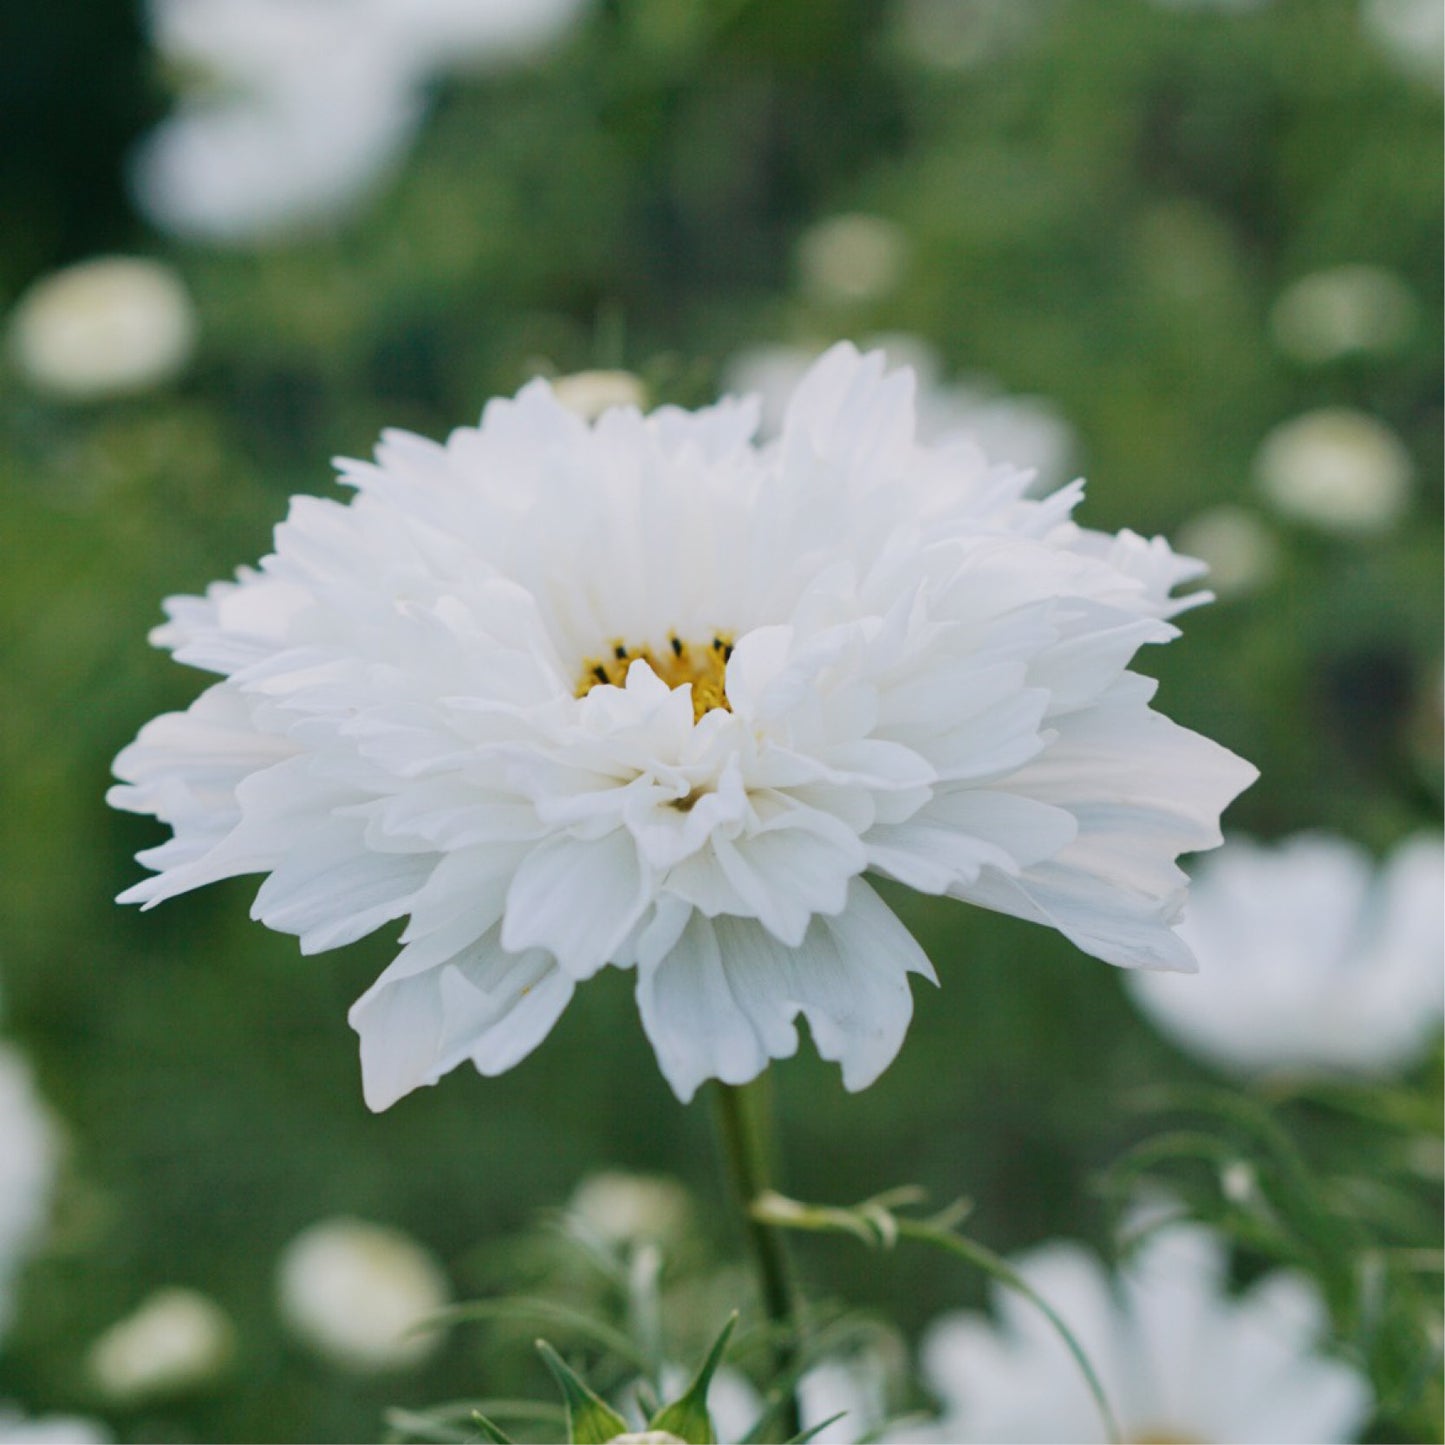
(687, 1418)
(590, 1419)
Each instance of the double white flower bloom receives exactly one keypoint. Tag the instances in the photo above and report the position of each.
(644, 693)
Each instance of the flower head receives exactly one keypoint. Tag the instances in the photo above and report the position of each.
(1178, 1358)
(1311, 958)
(29, 1156)
(103, 327)
(643, 693)
(178, 1340)
(359, 1294)
(1338, 470)
(307, 103)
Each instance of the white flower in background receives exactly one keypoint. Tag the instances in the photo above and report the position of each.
(855, 1388)
(852, 257)
(644, 694)
(105, 327)
(1027, 431)
(1241, 552)
(944, 35)
(1310, 957)
(1338, 470)
(308, 102)
(177, 1341)
(18, 1429)
(628, 1209)
(590, 393)
(1343, 311)
(1411, 33)
(249, 168)
(358, 1293)
(1178, 1357)
(29, 1154)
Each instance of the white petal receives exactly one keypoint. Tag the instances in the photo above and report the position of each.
(849, 978)
(330, 889)
(949, 840)
(696, 1025)
(485, 1004)
(579, 900)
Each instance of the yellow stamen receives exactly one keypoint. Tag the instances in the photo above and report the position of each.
(701, 666)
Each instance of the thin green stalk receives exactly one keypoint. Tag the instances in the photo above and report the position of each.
(742, 1130)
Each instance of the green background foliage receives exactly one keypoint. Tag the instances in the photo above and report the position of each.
(1103, 212)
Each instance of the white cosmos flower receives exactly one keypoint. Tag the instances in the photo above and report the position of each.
(177, 1341)
(359, 1293)
(29, 1155)
(1343, 311)
(631, 1209)
(1178, 1357)
(19, 1429)
(1410, 33)
(1337, 469)
(1310, 957)
(1239, 549)
(307, 103)
(642, 693)
(104, 327)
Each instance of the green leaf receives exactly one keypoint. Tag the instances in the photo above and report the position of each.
(590, 1419)
(457, 1422)
(816, 1430)
(494, 1434)
(687, 1418)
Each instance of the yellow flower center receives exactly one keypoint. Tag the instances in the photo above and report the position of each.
(700, 665)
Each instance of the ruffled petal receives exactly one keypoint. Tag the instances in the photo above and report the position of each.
(483, 1004)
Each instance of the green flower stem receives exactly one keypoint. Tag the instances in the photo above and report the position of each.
(742, 1119)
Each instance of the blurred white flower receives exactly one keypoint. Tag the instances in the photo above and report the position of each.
(1241, 552)
(177, 1341)
(1338, 470)
(642, 693)
(1342, 311)
(358, 1294)
(1411, 33)
(105, 327)
(18, 1429)
(855, 1388)
(29, 1154)
(1179, 1358)
(257, 165)
(1310, 958)
(1028, 431)
(628, 1209)
(945, 35)
(590, 393)
(307, 103)
(851, 257)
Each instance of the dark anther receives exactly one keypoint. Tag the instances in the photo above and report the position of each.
(718, 644)
(619, 652)
(727, 650)
(600, 673)
(676, 646)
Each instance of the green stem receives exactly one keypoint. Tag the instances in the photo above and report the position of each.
(741, 1127)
